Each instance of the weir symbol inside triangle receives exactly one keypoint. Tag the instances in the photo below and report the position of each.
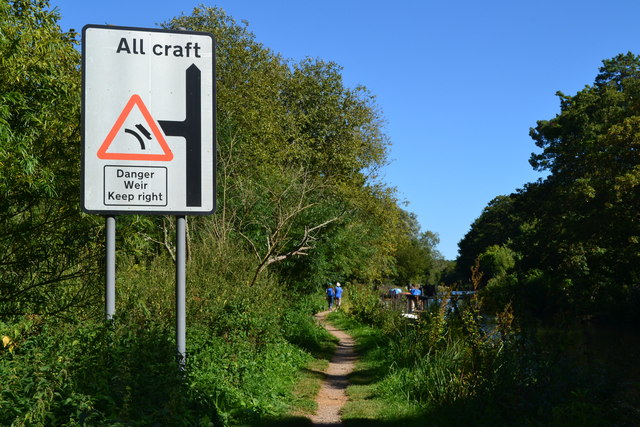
(135, 136)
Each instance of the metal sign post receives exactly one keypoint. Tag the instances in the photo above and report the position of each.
(110, 291)
(181, 278)
(148, 134)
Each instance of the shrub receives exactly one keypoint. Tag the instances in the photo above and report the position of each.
(432, 379)
(365, 306)
(237, 381)
(85, 372)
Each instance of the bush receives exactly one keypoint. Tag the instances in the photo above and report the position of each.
(432, 379)
(238, 381)
(85, 372)
(365, 306)
(300, 328)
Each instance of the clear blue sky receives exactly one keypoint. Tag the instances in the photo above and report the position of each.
(459, 82)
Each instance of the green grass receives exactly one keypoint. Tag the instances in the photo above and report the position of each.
(366, 406)
(307, 388)
(367, 338)
(321, 345)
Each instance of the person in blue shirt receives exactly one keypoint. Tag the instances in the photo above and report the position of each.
(415, 293)
(394, 292)
(338, 295)
(331, 293)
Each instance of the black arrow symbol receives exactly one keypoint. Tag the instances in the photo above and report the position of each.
(191, 130)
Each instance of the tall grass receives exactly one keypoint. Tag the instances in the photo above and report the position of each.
(91, 372)
(434, 379)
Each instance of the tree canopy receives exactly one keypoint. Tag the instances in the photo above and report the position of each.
(580, 225)
(46, 245)
(298, 156)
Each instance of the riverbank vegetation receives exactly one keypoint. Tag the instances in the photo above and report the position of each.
(456, 367)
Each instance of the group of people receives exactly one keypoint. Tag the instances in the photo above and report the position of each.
(334, 295)
(417, 297)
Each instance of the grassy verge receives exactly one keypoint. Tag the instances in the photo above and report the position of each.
(321, 345)
(306, 390)
(366, 405)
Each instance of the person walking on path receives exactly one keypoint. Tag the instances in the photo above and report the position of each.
(338, 295)
(331, 294)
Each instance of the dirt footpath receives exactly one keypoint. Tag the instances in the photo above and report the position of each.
(332, 395)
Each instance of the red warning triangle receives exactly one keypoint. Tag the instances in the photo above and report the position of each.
(139, 152)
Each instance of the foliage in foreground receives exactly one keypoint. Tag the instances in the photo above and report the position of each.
(124, 372)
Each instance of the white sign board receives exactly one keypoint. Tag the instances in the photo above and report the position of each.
(148, 121)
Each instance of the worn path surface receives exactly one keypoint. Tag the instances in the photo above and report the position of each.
(332, 395)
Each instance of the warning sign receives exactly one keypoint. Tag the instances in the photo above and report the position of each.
(148, 130)
(135, 186)
(135, 136)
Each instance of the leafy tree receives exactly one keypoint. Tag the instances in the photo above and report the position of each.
(496, 261)
(337, 130)
(591, 151)
(45, 242)
(297, 157)
(579, 225)
(417, 259)
(497, 224)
